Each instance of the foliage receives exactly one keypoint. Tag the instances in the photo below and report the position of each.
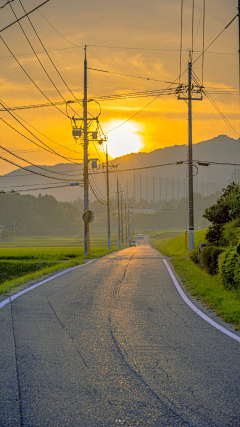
(42, 215)
(229, 268)
(231, 232)
(209, 259)
(193, 255)
(223, 211)
(209, 290)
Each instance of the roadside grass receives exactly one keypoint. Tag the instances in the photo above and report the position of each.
(209, 290)
(175, 246)
(19, 265)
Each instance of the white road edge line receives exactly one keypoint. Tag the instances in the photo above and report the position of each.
(8, 300)
(194, 308)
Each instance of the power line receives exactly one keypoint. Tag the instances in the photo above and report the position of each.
(34, 189)
(35, 173)
(128, 75)
(49, 149)
(145, 167)
(155, 49)
(50, 59)
(57, 30)
(30, 78)
(19, 19)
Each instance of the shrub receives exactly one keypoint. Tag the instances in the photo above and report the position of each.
(229, 268)
(231, 232)
(193, 255)
(209, 259)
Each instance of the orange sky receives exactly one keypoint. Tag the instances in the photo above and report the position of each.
(123, 25)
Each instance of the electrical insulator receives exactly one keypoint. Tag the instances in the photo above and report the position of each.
(94, 164)
(94, 135)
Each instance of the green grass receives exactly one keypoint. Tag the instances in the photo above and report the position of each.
(175, 246)
(19, 265)
(208, 289)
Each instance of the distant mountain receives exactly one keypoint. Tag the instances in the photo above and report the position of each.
(168, 180)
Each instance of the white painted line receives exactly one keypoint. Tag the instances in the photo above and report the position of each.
(6, 301)
(194, 308)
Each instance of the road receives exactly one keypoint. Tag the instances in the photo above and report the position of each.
(113, 343)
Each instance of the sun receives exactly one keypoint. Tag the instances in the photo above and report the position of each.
(124, 140)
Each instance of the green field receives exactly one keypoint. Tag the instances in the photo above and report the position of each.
(28, 258)
(208, 289)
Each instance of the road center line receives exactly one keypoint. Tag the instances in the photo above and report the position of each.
(8, 300)
(194, 308)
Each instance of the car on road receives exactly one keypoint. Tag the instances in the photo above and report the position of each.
(140, 236)
(132, 242)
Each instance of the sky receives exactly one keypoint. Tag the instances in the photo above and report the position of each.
(136, 38)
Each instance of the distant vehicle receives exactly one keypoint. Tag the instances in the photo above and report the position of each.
(132, 242)
(140, 236)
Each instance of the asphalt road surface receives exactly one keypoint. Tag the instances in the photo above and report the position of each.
(112, 343)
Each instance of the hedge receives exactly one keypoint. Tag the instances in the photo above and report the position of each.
(209, 259)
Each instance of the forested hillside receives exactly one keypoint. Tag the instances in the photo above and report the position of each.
(39, 216)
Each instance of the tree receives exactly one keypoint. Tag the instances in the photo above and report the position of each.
(223, 211)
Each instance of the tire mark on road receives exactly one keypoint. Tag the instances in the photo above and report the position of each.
(170, 406)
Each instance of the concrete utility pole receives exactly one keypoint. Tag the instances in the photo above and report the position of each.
(190, 159)
(153, 193)
(122, 216)
(134, 190)
(140, 189)
(126, 221)
(86, 199)
(239, 41)
(108, 203)
(190, 175)
(119, 238)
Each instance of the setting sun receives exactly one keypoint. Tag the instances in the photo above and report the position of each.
(124, 140)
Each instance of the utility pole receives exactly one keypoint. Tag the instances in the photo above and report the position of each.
(160, 191)
(153, 191)
(86, 200)
(108, 204)
(134, 193)
(190, 159)
(239, 41)
(126, 221)
(140, 189)
(122, 216)
(119, 239)
(147, 189)
(190, 165)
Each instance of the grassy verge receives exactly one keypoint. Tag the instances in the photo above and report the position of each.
(21, 265)
(208, 289)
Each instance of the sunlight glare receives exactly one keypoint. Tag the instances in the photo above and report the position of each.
(124, 140)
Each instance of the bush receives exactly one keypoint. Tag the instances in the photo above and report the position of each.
(193, 255)
(229, 268)
(231, 232)
(209, 259)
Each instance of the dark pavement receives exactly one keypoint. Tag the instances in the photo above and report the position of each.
(112, 343)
